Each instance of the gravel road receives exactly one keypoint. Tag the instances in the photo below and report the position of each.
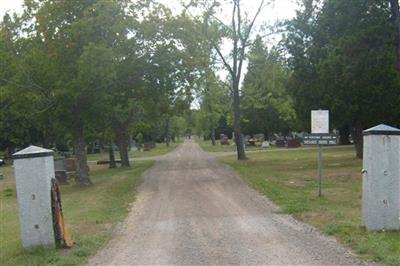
(192, 210)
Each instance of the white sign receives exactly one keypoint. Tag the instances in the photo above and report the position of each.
(319, 122)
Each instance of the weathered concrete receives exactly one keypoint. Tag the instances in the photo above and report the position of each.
(381, 178)
(34, 169)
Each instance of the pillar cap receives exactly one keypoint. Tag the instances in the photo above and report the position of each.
(382, 129)
(32, 152)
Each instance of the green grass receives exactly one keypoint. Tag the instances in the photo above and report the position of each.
(289, 179)
(207, 146)
(91, 213)
(160, 149)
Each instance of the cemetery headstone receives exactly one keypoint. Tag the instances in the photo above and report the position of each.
(224, 140)
(148, 146)
(293, 143)
(60, 171)
(70, 165)
(280, 143)
(252, 142)
(265, 145)
(259, 137)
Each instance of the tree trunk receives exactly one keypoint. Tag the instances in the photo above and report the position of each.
(123, 144)
(82, 169)
(358, 140)
(213, 136)
(101, 146)
(113, 164)
(45, 140)
(241, 155)
(167, 136)
(212, 130)
(394, 7)
(10, 150)
(344, 133)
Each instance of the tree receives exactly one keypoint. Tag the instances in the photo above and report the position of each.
(267, 106)
(213, 105)
(100, 68)
(172, 67)
(78, 39)
(395, 10)
(239, 32)
(343, 59)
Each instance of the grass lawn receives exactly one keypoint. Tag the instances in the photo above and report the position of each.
(289, 179)
(160, 149)
(91, 213)
(207, 146)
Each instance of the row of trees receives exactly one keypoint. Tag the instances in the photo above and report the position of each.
(73, 71)
(99, 69)
(344, 57)
(335, 54)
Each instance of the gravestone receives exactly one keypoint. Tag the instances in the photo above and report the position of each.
(293, 143)
(59, 164)
(34, 170)
(265, 145)
(148, 146)
(259, 137)
(280, 143)
(224, 140)
(381, 178)
(60, 171)
(252, 142)
(70, 165)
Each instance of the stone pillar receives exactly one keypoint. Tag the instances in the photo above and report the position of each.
(381, 178)
(34, 169)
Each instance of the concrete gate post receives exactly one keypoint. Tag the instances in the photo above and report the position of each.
(381, 178)
(34, 169)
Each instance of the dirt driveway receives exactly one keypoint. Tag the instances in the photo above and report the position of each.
(193, 210)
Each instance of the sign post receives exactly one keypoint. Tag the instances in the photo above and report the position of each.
(320, 136)
(320, 163)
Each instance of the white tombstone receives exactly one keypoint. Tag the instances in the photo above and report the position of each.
(381, 179)
(34, 170)
(265, 145)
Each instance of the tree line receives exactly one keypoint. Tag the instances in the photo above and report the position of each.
(77, 71)
(338, 55)
(74, 71)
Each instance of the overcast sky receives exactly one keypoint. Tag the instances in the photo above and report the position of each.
(281, 9)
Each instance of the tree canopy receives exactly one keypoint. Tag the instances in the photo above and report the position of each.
(77, 72)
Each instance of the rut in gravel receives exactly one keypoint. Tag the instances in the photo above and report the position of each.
(193, 210)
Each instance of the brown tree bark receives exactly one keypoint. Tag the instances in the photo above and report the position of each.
(45, 140)
(123, 144)
(82, 169)
(240, 40)
(395, 10)
(213, 136)
(241, 154)
(358, 139)
(212, 128)
(113, 164)
(167, 134)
